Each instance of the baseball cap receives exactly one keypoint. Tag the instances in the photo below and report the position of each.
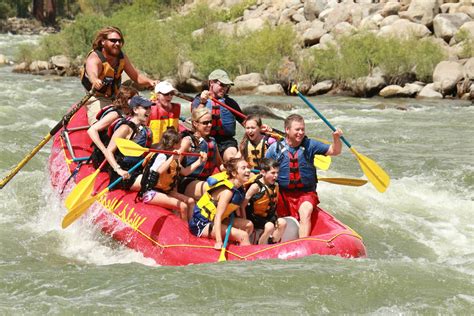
(138, 100)
(164, 87)
(220, 75)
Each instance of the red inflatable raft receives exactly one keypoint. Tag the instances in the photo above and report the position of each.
(161, 235)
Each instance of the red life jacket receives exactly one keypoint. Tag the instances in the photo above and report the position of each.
(161, 120)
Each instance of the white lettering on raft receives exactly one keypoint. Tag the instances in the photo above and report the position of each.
(127, 216)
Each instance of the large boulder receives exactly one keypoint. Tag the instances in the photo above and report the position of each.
(469, 69)
(446, 25)
(321, 87)
(313, 34)
(421, 11)
(60, 62)
(370, 85)
(247, 83)
(272, 89)
(3, 59)
(185, 71)
(446, 75)
(250, 25)
(312, 8)
(390, 8)
(429, 91)
(403, 29)
(38, 65)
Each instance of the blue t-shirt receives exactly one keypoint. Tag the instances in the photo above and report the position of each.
(306, 152)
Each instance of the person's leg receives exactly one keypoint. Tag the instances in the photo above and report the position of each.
(239, 231)
(169, 202)
(268, 230)
(280, 229)
(187, 210)
(94, 105)
(305, 210)
(195, 189)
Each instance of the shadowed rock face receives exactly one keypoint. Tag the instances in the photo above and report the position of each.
(263, 111)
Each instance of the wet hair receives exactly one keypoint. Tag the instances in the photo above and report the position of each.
(293, 118)
(268, 163)
(121, 101)
(251, 117)
(231, 166)
(102, 36)
(198, 113)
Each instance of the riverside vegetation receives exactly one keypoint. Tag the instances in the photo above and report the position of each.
(271, 43)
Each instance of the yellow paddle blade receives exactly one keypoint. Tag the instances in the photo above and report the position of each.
(376, 175)
(322, 162)
(130, 148)
(81, 191)
(80, 209)
(345, 181)
(222, 256)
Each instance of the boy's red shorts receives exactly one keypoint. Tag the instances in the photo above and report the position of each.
(289, 202)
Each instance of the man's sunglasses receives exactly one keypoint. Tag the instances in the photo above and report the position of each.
(115, 40)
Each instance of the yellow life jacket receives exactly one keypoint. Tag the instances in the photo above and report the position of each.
(167, 180)
(208, 206)
(254, 154)
(110, 76)
(161, 120)
(264, 202)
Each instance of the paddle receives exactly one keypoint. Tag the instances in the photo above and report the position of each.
(376, 175)
(80, 209)
(226, 239)
(342, 181)
(43, 142)
(83, 188)
(132, 149)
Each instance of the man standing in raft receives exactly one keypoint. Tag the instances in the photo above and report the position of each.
(223, 120)
(103, 70)
(297, 177)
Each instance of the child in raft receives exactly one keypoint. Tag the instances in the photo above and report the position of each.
(262, 199)
(255, 143)
(224, 196)
(160, 176)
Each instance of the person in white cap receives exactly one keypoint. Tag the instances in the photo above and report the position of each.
(223, 120)
(164, 113)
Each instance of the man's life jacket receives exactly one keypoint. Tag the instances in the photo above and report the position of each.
(208, 206)
(161, 120)
(110, 76)
(299, 167)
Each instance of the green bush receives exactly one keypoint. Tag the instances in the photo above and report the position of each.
(358, 54)
(467, 41)
(6, 10)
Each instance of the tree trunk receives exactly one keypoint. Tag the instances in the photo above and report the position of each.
(50, 12)
(38, 8)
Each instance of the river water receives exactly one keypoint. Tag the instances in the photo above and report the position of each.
(419, 234)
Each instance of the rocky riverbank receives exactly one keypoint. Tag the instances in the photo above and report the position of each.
(318, 23)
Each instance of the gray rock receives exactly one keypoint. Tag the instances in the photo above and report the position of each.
(421, 11)
(194, 84)
(403, 29)
(312, 35)
(391, 91)
(312, 8)
(389, 20)
(370, 85)
(469, 69)
(185, 71)
(38, 65)
(321, 87)
(3, 59)
(428, 91)
(248, 82)
(249, 26)
(390, 8)
(447, 74)
(343, 28)
(21, 67)
(446, 25)
(60, 62)
(271, 89)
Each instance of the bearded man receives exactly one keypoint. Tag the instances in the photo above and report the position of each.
(103, 70)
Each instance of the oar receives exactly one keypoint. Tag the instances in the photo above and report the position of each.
(376, 175)
(81, 208)
(345, 181)
(43, 142)
(226, 239)
(132, 149)
(83, 189)
(342, 181)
